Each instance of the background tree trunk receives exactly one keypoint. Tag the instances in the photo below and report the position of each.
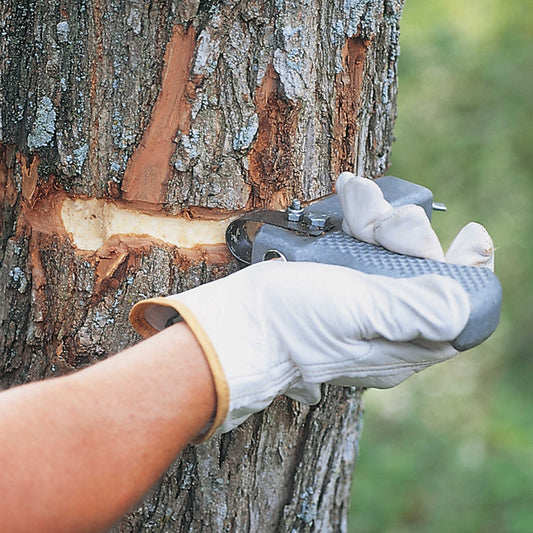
(189, 111)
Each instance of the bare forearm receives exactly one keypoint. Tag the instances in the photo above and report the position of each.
(77, 452)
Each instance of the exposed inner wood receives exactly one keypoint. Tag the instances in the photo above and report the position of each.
(114, 239)
(91, 222)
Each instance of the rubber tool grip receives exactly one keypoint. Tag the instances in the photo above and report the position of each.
(337, 248)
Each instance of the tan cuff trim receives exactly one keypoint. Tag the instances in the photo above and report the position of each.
(139, 322)
(221, 385)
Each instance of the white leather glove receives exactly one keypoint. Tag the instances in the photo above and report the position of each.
(406, 229)
(284, 328)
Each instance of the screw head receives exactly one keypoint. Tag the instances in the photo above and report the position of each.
(295, 211)
(316, 221)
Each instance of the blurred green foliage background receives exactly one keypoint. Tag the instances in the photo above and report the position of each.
(451, 449)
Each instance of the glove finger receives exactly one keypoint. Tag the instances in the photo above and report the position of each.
(362, 204)
(370, 218)
(341, 181)
(407, 230)
(391, 363)
(430, 307)
(473, 246)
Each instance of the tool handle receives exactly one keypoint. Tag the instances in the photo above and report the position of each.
(337, 248)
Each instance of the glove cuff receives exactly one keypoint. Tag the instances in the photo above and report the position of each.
(143, 327)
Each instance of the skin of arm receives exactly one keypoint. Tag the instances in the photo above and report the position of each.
(77, 452)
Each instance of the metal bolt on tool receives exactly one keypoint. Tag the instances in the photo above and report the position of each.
(295, 211)
(315, 221)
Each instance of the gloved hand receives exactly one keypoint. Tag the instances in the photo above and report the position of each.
(406, 229)
(284, 328)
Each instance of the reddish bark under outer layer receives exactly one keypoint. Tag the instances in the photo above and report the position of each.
(271, 156)
(348, 85)
(149, 169)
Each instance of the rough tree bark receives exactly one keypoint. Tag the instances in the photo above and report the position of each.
(187, 111)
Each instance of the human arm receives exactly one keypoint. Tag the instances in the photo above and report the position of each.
(77, 452)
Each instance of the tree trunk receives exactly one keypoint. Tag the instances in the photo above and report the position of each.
(130, 132)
